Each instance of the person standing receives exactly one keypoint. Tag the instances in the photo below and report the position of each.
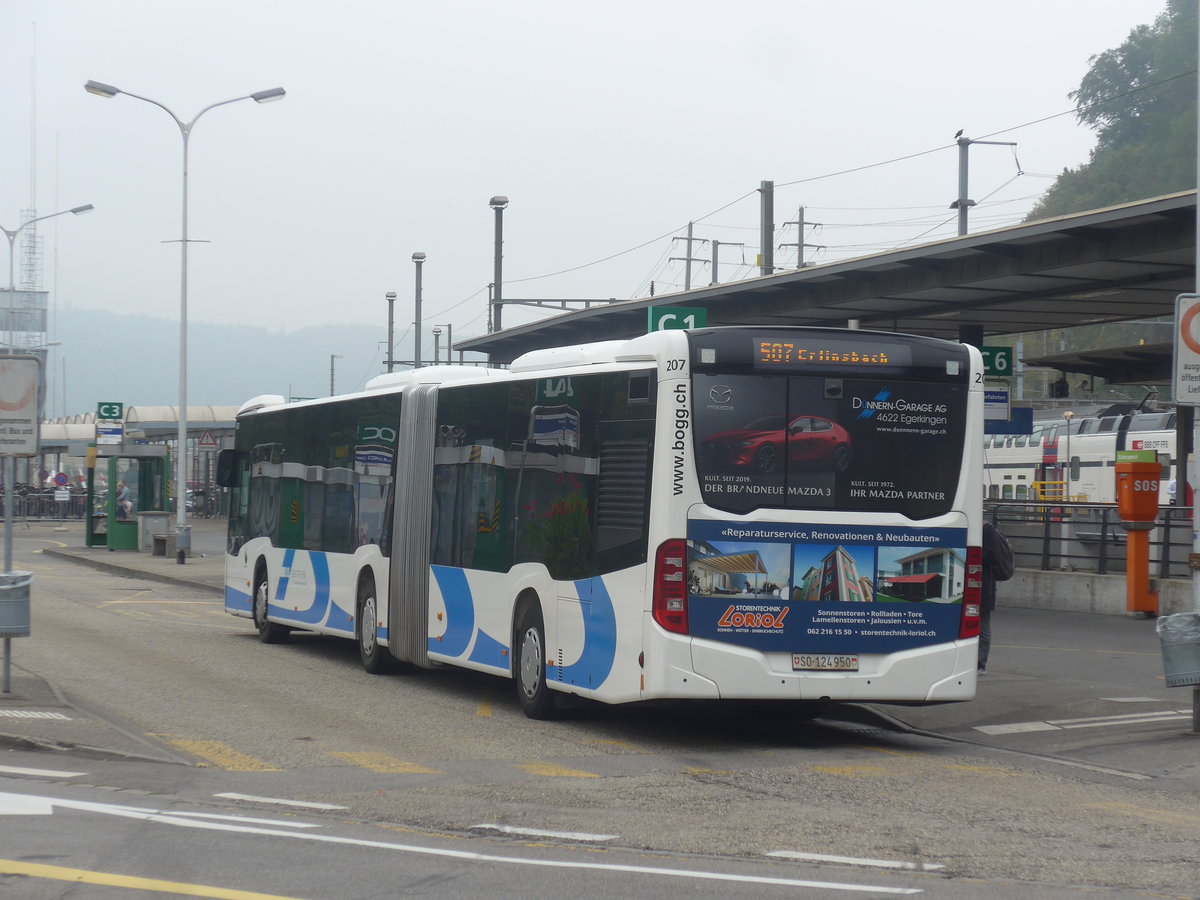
(997, 566)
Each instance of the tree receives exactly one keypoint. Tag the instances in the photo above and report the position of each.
(1140, 98)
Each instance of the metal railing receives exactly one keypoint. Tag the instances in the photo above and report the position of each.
(1057, 535)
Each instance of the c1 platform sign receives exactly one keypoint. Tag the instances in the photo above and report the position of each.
(1187, 349)
(665, 318)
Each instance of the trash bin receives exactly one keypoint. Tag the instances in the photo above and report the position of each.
(14, 604)
(1180, 636)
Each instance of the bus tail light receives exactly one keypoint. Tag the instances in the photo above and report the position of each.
(670, 605)
(972, 594)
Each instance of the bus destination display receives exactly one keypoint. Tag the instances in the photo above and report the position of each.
(798, 355)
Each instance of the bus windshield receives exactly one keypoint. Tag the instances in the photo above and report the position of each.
(802, 441)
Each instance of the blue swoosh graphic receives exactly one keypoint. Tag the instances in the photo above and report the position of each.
(320, 605)
(599, 638)
(460, 611)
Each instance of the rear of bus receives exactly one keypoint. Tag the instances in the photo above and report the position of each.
(817, 518)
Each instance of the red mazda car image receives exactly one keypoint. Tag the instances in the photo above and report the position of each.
(762, 444)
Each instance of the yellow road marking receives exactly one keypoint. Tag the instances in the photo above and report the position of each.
(620, 745)
(988, 770)
(126, 601)
(1151, 815)
(222, 756)
(852, 771)
(693, 770)
(385, 764)
(483, 709)
(550, 770)
(130, 882)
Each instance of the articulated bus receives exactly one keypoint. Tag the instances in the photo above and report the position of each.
(738, 513)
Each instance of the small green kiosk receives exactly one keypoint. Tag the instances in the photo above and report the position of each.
(126, 493)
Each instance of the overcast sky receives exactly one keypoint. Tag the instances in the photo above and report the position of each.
(608, 125)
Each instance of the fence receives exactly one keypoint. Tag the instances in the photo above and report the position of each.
(1088, 537)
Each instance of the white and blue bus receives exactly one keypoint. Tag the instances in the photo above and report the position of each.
(741, 513)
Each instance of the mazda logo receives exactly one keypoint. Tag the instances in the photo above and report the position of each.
(720, 393)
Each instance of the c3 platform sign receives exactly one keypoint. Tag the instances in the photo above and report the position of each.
(665, 318)
(1187, 349)
(20, 390)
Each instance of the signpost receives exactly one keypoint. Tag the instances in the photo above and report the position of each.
(997, 361)
(664, 318)
(20, 420)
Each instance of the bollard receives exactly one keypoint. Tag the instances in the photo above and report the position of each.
(14, 616)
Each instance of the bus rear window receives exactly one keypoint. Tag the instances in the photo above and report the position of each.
(815, 442)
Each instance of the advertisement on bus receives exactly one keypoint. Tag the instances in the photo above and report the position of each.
(825, 589)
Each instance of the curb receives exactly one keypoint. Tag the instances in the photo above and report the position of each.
(115, 569)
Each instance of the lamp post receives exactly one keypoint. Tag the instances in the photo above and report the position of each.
(391, 343)
(437, 344)
(183, 535)
(449, 339)
(419, 259)
(12, 255)
(498, 203)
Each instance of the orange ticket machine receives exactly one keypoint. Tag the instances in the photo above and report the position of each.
(1138, 475)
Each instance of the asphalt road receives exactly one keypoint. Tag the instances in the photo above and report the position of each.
(1071, 771)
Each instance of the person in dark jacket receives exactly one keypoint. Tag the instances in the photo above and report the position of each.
(997, 566)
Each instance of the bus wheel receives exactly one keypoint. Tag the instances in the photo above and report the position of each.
(268, 632)
(375, 658)
(537, 701)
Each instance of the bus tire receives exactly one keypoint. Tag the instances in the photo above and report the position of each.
(268, 632)
(374, 657)
(529, 665)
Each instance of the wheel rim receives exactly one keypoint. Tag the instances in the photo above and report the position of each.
(260, 604)
(531, 662)
(765, 461)
(366, 626)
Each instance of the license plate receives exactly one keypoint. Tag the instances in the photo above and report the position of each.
(825, 662)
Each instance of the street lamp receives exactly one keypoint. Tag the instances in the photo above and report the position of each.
(437, 330)
(419, 259)
(12, 255)
(183, 535)
(498, 203)
(390, 296)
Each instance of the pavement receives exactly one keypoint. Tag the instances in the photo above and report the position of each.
(1076, 686)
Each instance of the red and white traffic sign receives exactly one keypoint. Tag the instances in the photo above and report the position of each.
(1187, 349)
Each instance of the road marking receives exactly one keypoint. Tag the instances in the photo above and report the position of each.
(855, 861)
(1131, 699)
(304, 804)
(483, 709)
(129, 882)
(43, 773)
(618, 745)
(385, 764)
(556, 835)
(223, 818)
(31, 714)
(164, 818)
(550, 770)
(1086, 722)
(852, 771)
(222, 755)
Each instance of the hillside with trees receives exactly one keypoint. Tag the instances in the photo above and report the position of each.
(1140, 99)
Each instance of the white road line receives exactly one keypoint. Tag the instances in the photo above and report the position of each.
(43, 773)
(249, 819)
(15, 804)
(300, 803)
(1085, 722)
(1131, 699)
(31, 714)
(856, 861)
(558, 835)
